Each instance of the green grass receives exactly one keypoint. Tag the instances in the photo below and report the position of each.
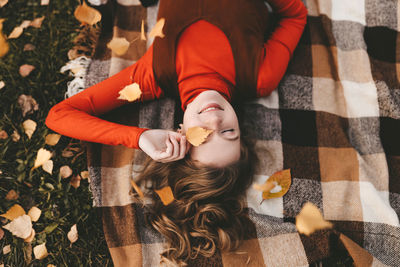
(62, 205)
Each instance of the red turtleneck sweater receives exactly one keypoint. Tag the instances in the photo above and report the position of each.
(204, 61)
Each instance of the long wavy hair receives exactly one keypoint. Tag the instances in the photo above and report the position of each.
(208, 211)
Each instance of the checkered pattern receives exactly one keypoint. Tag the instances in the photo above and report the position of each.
(333, 120)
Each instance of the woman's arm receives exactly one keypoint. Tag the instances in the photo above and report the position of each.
(280, 46)
(76, 116)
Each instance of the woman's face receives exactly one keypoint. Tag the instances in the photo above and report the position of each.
(212, 111)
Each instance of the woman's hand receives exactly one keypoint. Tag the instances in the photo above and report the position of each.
(163, 145)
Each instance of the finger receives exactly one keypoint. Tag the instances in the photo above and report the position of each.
(182, 150)
(168, 152)
(175, 152)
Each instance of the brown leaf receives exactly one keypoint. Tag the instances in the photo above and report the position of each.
(76, 181)
(15, 136)
(29, 127)
(86, 14)
(40, 251)
(14, 212)
(1, 234)
(34, 213)
(26, 69)
(25, 24)
(31, 237)
(48, 166)
(165, 195)
(3, 3)
(84, 174)
(4, 47)
(197, 135)
(157, 29)
(27, 104)
(137, 189)
(310, 220)
(130, 92)
(65, 171)
(3, 135)
(73, 234)
(42, 156)
(37, 23)
(6, 249)
(118, 45)
(12, 195)
(277, 185)
(16, 32)
(52, 139)
(29, 47)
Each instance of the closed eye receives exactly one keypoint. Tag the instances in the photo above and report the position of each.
(229, 130)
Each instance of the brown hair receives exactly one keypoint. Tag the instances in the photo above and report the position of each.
(208, 211)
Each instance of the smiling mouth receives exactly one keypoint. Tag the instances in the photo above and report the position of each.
(211, 107)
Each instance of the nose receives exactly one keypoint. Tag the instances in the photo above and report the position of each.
(212, 121)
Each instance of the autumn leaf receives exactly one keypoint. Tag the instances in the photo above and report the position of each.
(86, 14)
(165, 195)
(157, 29)
(42, 156)
(6, 249)
(84, 174)
(20, 227)
(2, 83)
(142, 33)
(52, 139)
(277, 185)
(30, 237)
(26, 69)
(37, 23)
(197, 135)
(65, 171)
(14, 212)
(34, 213)
(40, 251)
(310, 220)
(137, 189)
(15, 136)
(3, 3)
(44, 2)
(130, 92)
(118, 45)
(16, 32)
(48, 166)
(29, 127)
(27, 104)
(12, 195)
(73, 234)
(25, 24)
(4, 47)
(76, 181)
(3, 135)
(29, 47)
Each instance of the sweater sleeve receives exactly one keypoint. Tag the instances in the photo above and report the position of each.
(280, 46)
(76, 116)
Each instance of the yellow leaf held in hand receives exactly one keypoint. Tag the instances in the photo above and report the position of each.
(34, 213)
(73, 234)
(130, 92)
(42, 156)
(16, 32)
(4, 47)
(118, 45)
(20, 227)
(40, 251)
(14, 212)
(142, 33)
(310, 220)
(157, 29)
(137, 189)
(277, 185)
(86, 14)
(197, 135)
(52, 139)
(165, 195)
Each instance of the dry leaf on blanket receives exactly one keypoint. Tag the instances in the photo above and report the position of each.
(40, 251)
(157, 29)
(27, 104)
(29, 127)
(197, 135)
(34, 213)
(3, 135)
(65, 171)
(86, 14)
(130, 92)
(165, 195)
(142, 33)
(26, 69)
(14, 212)
(4, 47)
(137, 189)
(118, 45)
(42, 156)
(310, 219)
(73, 234)
(16, 32)
(20, 227)
(12, 195)
(37, 23)
(277, 185)
(3, 2)
(52, 139)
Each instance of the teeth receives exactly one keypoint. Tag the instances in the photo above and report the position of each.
(209, 109)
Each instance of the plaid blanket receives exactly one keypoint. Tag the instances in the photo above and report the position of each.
(333, 120)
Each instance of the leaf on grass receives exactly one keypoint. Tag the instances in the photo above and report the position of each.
(197, 135)
(42, 156)
(118, 45)
(40, 251)
(16, 32)
(3, 3)
(142, 33)
(20, 227)
(34, 213)
(26, 69)
(65, 171)
(130, 92)
(165, 195)
(73, 234)
(48, 166)
(310, 219)
(76, 181)
(3, 135)
(37, 23)
(157, 29)
(277, 185)
(4, 47)
(25, 24)
(84, 174)
(2, 84)
(86, 14)
(137, 189)
(29, 127)
(6, 249)
(29, 47)
(15, 136)
(27, 104)
(31, 237)
(12, 195)
(52, 139)
(14, 212)
(44, 2)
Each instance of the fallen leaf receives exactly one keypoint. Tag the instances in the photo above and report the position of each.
(34, 213)
(2, 84)
(197, 135)
(84, 174)
(29, 47)
(42, 156)
(30, 237)
(3, 135)
(310, 219)
(6, 249)
(29, 127)
(137, 189)
(25, 24)
(52, 139)
(157, 29)
(3, 2)
(20, 227)
(86, 14)
(76, 181)
(40, 251)
(4, 47)
(73, 234)
(130, 92)
(26, 69)
(118, 45)
(12, 195)
(1, 234)
(50, 265)
(16, 32)
(27, 104)
(15, 136)
(37, 23)
(165, 195)
(14, 212)
(48, 166)
(65, 171)
(142, 33)
(44, 2)
(277, 185)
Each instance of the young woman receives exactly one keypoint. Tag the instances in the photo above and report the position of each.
(214, 53)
